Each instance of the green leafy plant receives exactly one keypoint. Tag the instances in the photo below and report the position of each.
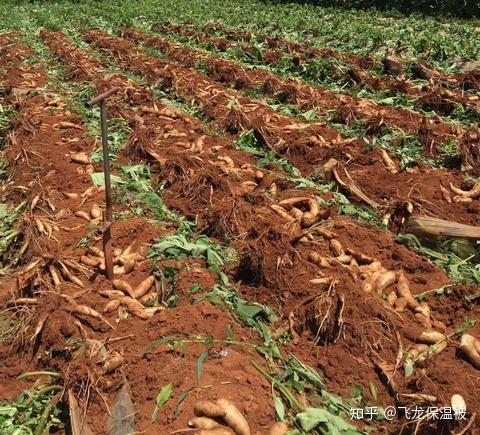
(448, 255)
(34, 412)
(162, 398)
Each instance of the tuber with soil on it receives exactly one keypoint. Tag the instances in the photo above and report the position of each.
(279, 428)
(225, 410)
(234, 418)
(473, 193)
(127, 267)
(203, 423)
(471, 348)
(208, 409)
(144, 287)
(385, 280)
(123, 286)
(220, 430)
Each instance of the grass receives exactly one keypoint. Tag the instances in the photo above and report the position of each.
(440, 40)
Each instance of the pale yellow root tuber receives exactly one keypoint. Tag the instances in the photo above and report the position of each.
(72, 195)
(112, 305)
(372, 267)
(123, 286)
(128, 267)
(385, 280)
(84, 310)
(337, 247)
(208, 408)
(296, 213)
(279, 428)
(281, 212)
(471, 348)
(96, 251)
(137, 309)
(321, 281)
(458, 403)
(95, 211)
(344, 259)
(473, 193)
(460, 199)
(369, 284)
(83, 215)
(111, 294)
(445, 194)
(317, 259)
(392, 298)
(82, 158)
(234, 418)
(389, 163)
(144, 287)
(90, 261)
(403, 291)
(431, 337)
(112, 363)
(422, 314)
(220, 430)
(202, 423)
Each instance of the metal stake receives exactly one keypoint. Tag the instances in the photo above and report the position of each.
(108, 213)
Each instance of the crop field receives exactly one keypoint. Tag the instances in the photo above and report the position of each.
(296, 220)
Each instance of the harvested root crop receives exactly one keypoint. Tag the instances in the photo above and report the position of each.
(458, 403)
(220, 430)
(82, 158)
(225, 410)
(95, 211)
(128, 267)
(403, 291)
(144, 287)
(84, 310)
(112, 362)
(202, 423)
(295, 207)
(90, 261)
(389, 163)
(112, 305)
(123, 286)
(473, 193)
(279, 428)
(234, 418)
(471, 348)
(82, 214)
(385, 280)
(137, 309)
(208, 409)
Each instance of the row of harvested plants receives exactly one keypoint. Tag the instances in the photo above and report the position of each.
(327, 281)
(306, 211)
(431, 96)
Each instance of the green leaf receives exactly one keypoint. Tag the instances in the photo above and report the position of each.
(408, 369)
(200, 362)
(229, 333)
(162, 398)
(279, 407)
(98, 179)
(195, 288)
(373, 390)
(181, 399)
(314, 417)
(311, 418)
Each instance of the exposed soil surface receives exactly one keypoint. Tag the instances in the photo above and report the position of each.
(343, 290)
